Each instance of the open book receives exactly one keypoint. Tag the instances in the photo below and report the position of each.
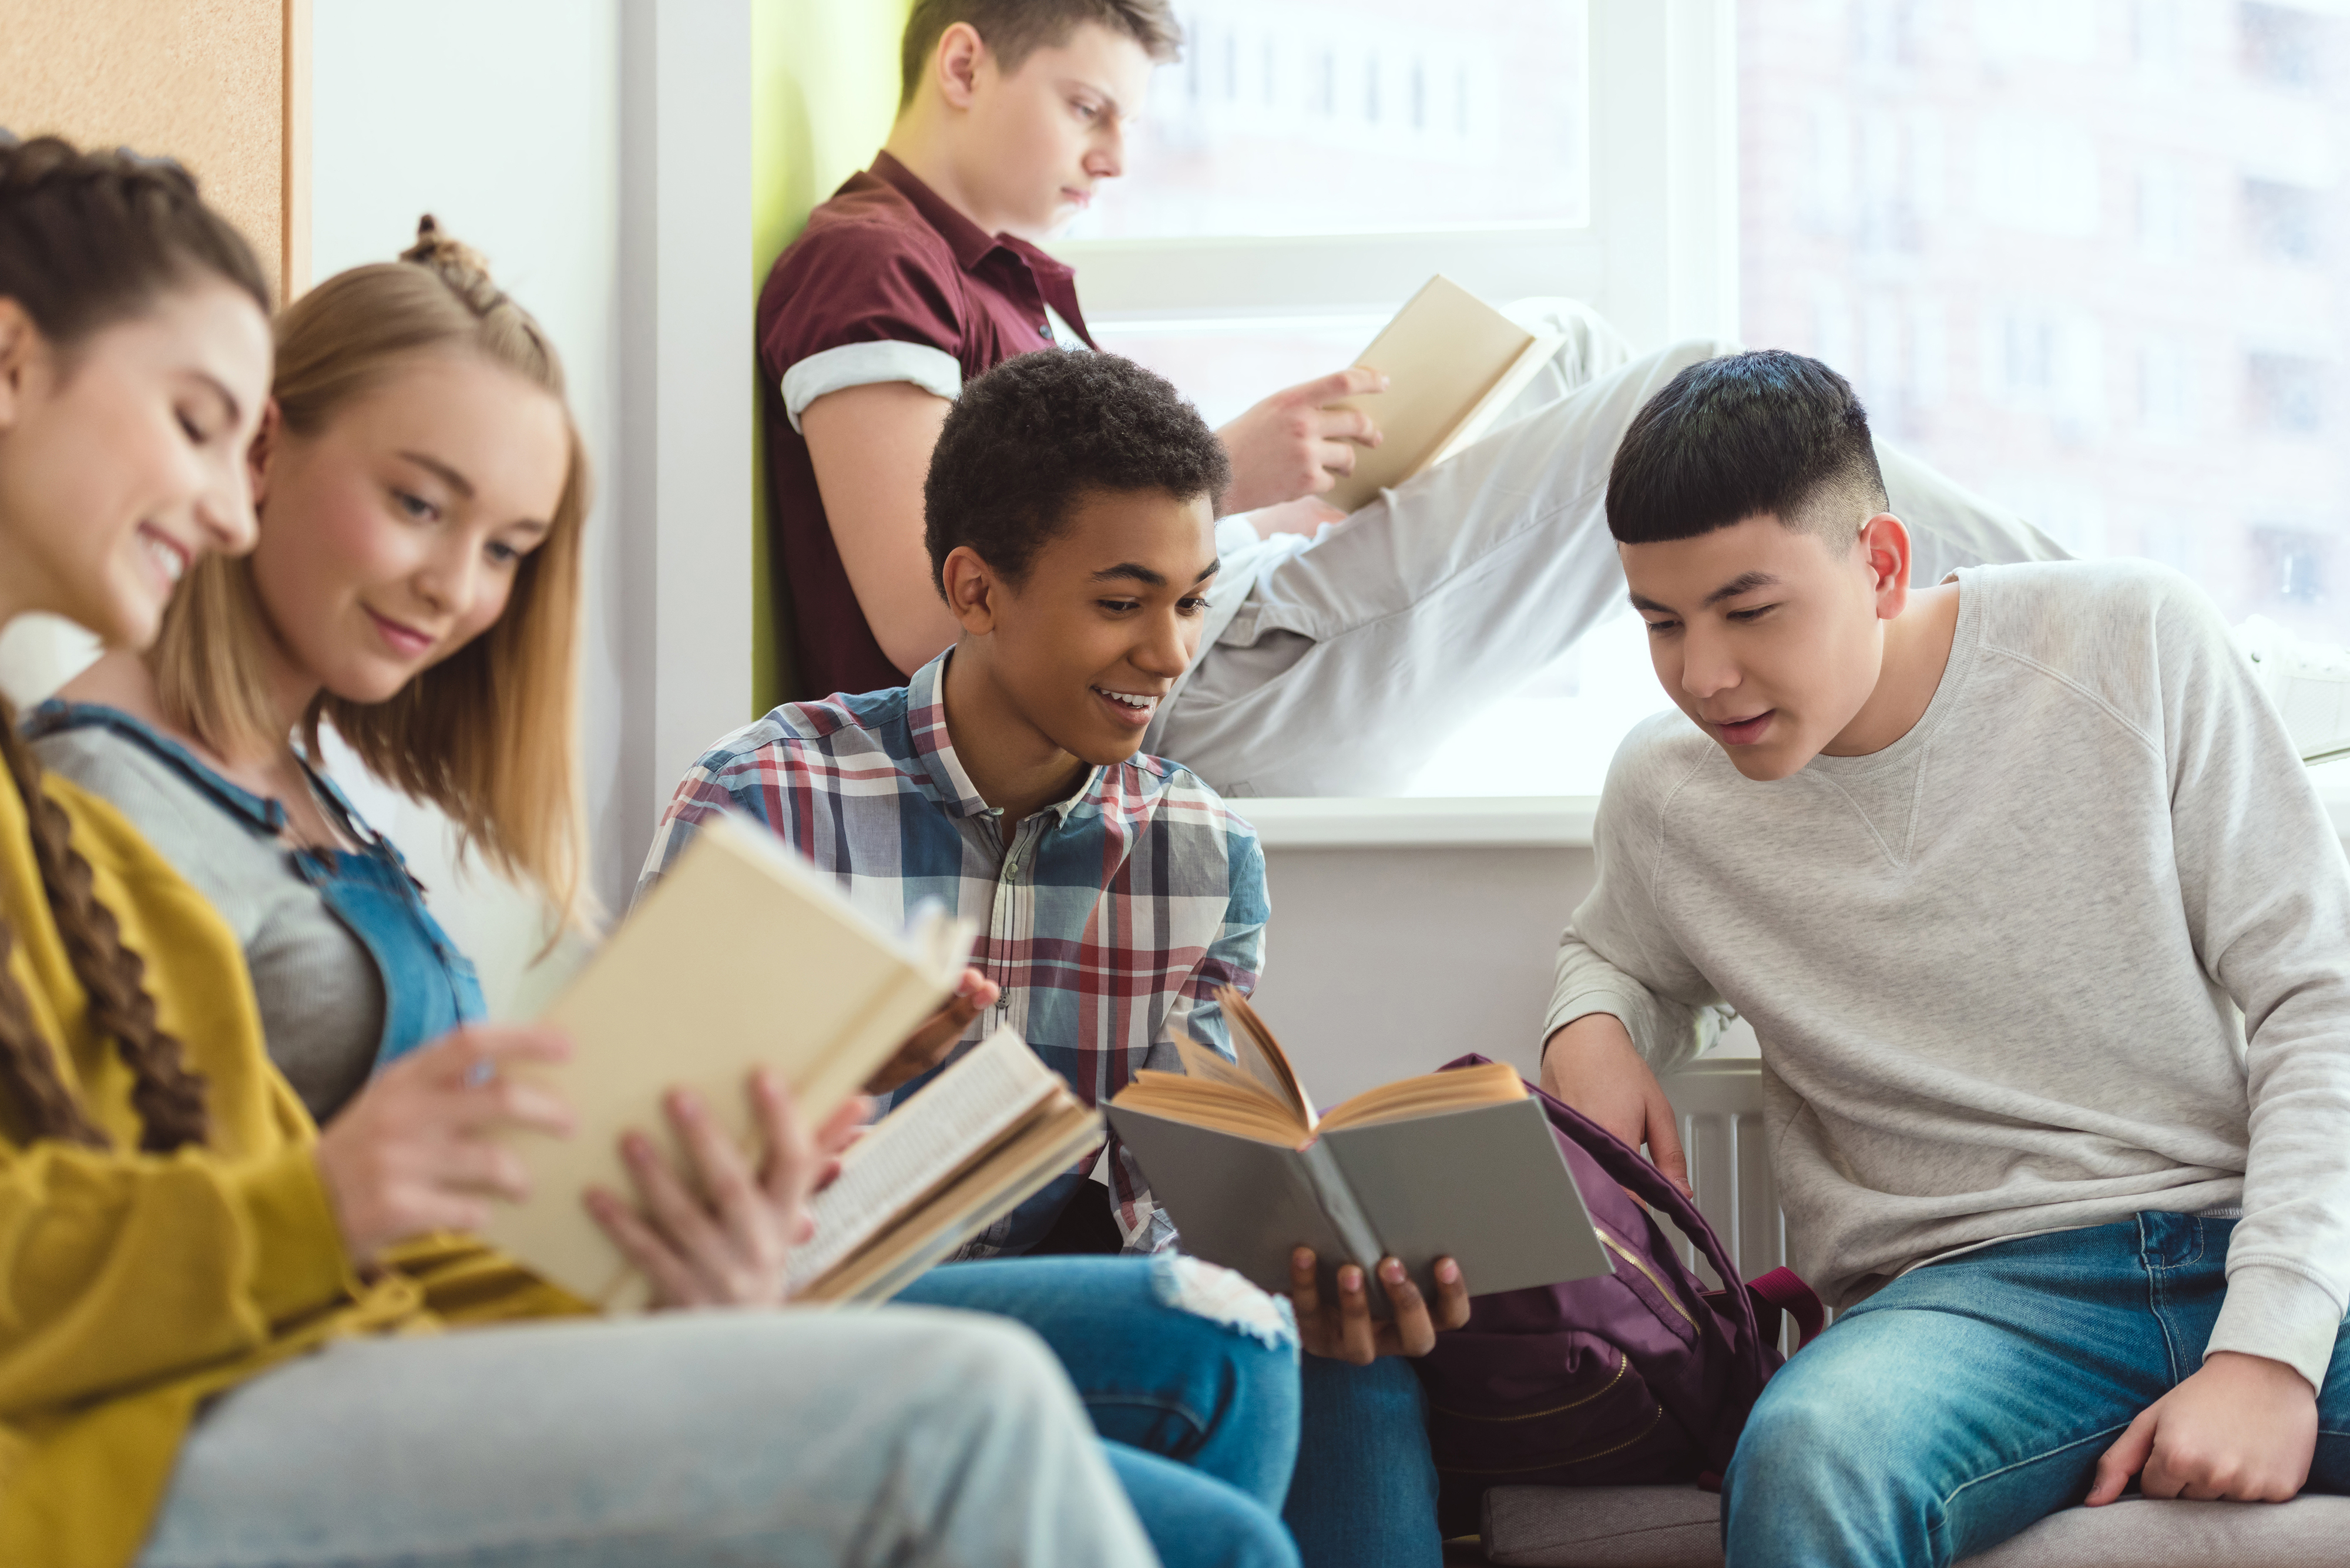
(744, 955)
(1460, 1164)
(1452, 363)
(979, 1139)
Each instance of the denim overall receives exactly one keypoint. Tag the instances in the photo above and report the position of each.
(429, 987)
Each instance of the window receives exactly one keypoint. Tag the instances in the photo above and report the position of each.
(2082, 255)
(2144, 290)
(1403, 118)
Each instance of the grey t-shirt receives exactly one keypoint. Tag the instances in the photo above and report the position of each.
(2077, 945)
(321, 996)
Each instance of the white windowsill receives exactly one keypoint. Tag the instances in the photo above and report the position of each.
(1497, 822)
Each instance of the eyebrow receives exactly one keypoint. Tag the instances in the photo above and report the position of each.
(1134, 571)
(449, 476)
(1745, 583)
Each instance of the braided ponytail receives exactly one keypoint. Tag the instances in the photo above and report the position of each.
(88, 239)
(169, 1098)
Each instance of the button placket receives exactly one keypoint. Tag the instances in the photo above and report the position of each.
(1001, 920)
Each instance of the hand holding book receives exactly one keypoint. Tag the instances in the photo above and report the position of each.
(722, 1233)
(746, 961)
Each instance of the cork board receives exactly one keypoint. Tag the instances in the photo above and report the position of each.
(206, 81)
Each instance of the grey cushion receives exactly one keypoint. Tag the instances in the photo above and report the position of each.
(1679, 1527)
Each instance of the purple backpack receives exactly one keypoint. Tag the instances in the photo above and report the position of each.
(1638, 1378)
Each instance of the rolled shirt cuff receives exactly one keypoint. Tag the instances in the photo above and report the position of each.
(869, 364)
(2281, 1315)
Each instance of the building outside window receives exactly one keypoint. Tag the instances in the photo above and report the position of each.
(2086, 256)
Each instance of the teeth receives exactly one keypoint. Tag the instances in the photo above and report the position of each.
(171, 560)
(1128, 698)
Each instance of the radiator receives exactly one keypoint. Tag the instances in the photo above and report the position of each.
(1719, 1106)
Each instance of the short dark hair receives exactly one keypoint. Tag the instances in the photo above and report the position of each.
(1741, 435)
(1025, 440)
(1014, 29)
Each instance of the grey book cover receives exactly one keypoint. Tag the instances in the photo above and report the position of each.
(1486, 1187)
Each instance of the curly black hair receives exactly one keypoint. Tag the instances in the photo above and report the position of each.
(1025, 440)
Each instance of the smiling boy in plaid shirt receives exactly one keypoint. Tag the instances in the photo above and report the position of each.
(1072, 533)
(1071, 527)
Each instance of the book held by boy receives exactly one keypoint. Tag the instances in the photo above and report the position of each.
(978, 1140)
(1460, 1164)
(745, 956)
(1452, 364)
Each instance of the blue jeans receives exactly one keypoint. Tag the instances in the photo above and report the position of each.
(1189, 1374)
(855, 1438)
(1970, 1398)
(1365, 1494)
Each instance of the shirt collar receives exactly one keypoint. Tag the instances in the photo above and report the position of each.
(970, 243)
(926, 720)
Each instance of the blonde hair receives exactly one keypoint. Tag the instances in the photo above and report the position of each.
(489, 734)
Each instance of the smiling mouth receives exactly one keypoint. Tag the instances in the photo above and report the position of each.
(403, 637)
(170, 558)
(1129, 706)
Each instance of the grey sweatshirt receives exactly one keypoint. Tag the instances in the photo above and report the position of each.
(2078, 945)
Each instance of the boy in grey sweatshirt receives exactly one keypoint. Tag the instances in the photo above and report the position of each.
(2046, 939)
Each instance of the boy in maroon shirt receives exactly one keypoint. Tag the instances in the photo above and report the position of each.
(1331, 665)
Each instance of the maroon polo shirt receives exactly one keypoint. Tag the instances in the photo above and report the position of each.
(884, 260)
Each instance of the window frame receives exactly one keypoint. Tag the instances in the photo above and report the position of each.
(1658, 258)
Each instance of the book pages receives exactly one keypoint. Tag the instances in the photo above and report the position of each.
(910, 1152)
(1052, 1139)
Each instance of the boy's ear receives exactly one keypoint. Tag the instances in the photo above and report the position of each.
(1885, 545)
(955, 65)
(20, 345)
(974, 589)
(265, 446)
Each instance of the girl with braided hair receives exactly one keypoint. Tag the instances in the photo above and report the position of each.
(421, 495)
(216, 1326)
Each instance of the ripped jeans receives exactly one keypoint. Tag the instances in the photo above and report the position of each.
(1190, 1374)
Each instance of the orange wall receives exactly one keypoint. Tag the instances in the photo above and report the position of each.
(203, 80)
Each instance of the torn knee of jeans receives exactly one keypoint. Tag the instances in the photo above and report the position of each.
(1206, 1290)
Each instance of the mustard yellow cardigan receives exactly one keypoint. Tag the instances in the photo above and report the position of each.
(132, 1287)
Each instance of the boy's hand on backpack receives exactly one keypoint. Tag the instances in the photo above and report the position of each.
(927, 1047)
(2243, 1428)
(721, 1235)
(1592, 1066)
(1293, 443)
(1344, 1329)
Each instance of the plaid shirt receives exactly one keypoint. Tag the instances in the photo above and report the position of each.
(1109, 921)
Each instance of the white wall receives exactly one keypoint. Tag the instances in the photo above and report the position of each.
(502, 120)
(1383, 961)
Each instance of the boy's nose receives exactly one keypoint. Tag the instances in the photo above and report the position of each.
(1706, 670)
(1107, 159)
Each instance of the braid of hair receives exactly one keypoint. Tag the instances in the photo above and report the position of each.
(169, 1098)
(29, 1068)
(90, 238)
